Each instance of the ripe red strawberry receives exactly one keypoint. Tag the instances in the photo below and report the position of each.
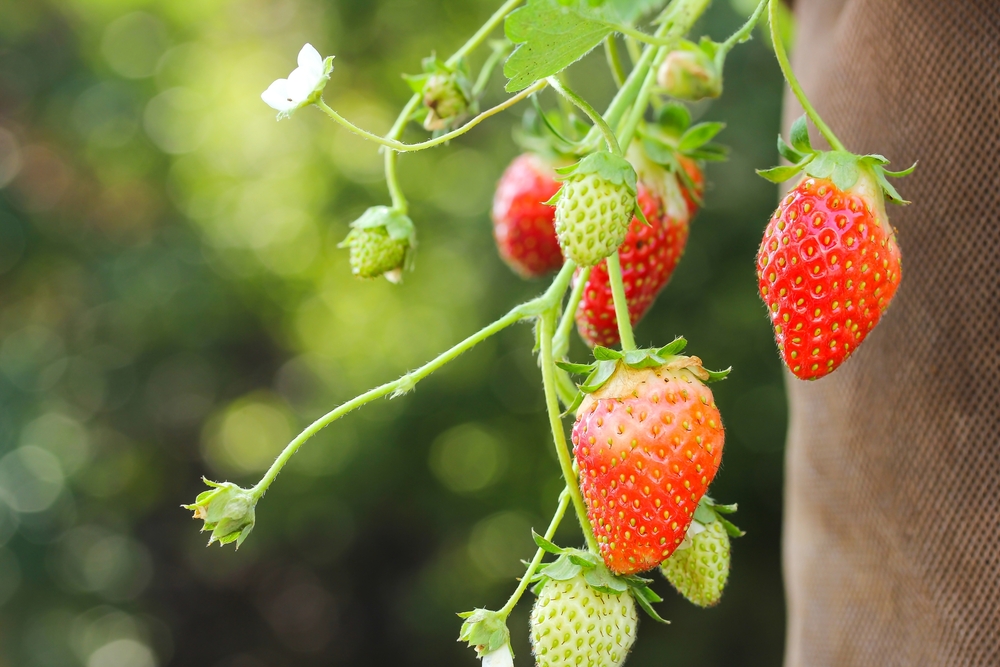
(828, 267)
(523, 225)
(648, 443)
(648, 258)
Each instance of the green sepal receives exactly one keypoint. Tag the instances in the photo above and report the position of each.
(782, 173)
(699, 135)
(673, 119)
(799, 135)
(603, 371)
(602, 353)
(716, 376)
(397, 224)
(674, 347)
(731, 529)
(900, 174)
(546, 545)
(708, 511)
(600, 579)
(637, 212)
(789, 153)
(608, 166)
(227, 510)
(643, 359)
(578, 369)
(643, 597)
(484, 630)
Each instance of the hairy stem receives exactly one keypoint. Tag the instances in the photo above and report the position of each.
(740, 36)
(614, 60)
(621, 305)
(547, 324)
(591, 112)
(560, 342)
(793, 82)
(401, 147)
(550, 299)
(539, 554)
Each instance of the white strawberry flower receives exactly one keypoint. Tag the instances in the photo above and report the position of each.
(304, 85)
(502, 657)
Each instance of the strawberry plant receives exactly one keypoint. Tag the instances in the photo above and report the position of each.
(605, 201)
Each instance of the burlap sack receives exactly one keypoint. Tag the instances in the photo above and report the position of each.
(892, 524)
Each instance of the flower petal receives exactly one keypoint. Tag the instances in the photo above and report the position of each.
(301, 84)
(310, 59)
(499, 658)
(277, 96)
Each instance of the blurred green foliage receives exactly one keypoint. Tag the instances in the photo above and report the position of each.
(172, 304)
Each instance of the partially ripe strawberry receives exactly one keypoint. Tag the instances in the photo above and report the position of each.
(828, 267)
(523, 224)
(594, 206)
(648, 443)
(574, 624)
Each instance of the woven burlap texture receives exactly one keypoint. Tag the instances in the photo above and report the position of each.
(892, 505)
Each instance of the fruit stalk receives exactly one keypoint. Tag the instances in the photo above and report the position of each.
(547, 324)
(793, 82)
(545, 303)
(591, 112)
(539, 554)
(621, 305)
(560, 342)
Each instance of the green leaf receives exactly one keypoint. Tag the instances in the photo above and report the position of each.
(788, 152)
(699, 135)
(710, 153)
(674, 119)
(550, 38)
(660, 152)
(800, 135)
(545, 545)
(602, 353)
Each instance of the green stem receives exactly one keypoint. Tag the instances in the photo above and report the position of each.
(793, 83)
(391, 177)
(614, 60)
(547, 323)
(539, 554)
(621, 305)
(436, 141)
(591, 112)
(560, 343)
(550, 299)
(740, 36)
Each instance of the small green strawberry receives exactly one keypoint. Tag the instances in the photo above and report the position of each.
(574, 624)
(594, 206)
(380, 242)
(699, 568)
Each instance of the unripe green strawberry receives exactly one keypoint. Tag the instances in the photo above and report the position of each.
(380, 241)
(700, 566)
(594, 207)
(573, 624)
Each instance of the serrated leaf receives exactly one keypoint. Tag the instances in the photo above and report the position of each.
(546, 545)
(600, 579)
(576, 369)
(550, 38)
(562, 569)
(699, 135)
(800, 135)
(788, 152)
(648, 608)
(602, 353)
(676, 346)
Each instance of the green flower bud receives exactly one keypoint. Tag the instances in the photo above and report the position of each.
(446, 101)
(227, 510)
(689, 74)
(486, 631)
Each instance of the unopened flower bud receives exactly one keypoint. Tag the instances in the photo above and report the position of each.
(446, 101)
(689, 75)
(486, 631)
(227, 510)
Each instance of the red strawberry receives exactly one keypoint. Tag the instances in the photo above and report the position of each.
(523, 225)
(648, 255)
(828, 267)
(648, 443)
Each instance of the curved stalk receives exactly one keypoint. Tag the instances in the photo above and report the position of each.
(401, 147)
(547, 324)
(539, 554)
(591, 112)
(793, 82)
(560, 342)
(614, 60)
(550, 299)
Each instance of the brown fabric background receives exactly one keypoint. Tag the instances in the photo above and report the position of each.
(892, 524)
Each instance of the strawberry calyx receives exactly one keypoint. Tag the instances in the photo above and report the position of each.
(484, 630)
(845, 169)
(603, 376)
(709, 511)
(608, 166)
(574, 562)
(398, 227)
